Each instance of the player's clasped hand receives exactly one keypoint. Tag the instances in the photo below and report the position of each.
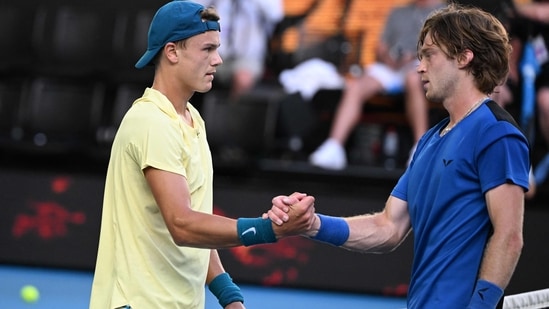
(281, 206)
(292, 215)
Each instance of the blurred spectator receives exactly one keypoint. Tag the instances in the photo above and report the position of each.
(526, 22)
(393, 72)
(247, 26)
(504, 10)
(532, 25)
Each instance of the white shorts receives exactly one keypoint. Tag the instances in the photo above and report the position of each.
(391, 80)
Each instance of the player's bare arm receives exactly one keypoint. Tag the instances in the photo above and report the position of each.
(201, 230)
(379, 232)
(215, 268)
(506, 209)
(382, 231)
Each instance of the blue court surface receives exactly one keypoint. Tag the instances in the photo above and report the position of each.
(60, 289)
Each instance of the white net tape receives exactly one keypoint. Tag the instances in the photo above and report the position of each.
(530, 300)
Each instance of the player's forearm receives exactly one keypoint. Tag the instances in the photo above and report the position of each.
(215, 268)
(202, 230)
(379, 232)
(500, 258)
(498, 264)
(505, 205)
(374, 234)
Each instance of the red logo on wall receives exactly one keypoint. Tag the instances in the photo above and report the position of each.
(49, 219)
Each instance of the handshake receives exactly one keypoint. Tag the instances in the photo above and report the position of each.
(290, 216)
(293, 215)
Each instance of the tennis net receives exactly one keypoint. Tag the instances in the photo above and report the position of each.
(529, 300)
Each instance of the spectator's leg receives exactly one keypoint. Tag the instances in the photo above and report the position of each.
(331, 154)
(417, 108)
(243, 82)
(543, 112)
(416, 105)
(242, 75)
(349, 109)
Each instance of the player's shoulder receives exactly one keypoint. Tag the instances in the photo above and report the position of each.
(497, 123)
(500, 114)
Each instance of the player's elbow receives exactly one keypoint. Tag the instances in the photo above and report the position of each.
(185, 239)
(390, 244)
(399, 234)
(515, 243)
(181, 233)
(510, 240)
(180, 239)
(394, 243)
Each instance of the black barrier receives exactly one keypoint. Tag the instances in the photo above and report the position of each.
(52, 219)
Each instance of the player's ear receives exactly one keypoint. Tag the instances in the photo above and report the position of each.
(465, 57)
(170, 50)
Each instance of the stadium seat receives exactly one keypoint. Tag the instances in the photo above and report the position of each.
(73, 41)
(129, 44)
(57, 116)
(16, 26)
(11, 92)
(239, 132)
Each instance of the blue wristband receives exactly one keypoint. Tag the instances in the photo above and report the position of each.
(485, 296)
(252, 231)
(225, 290)
(333, 230)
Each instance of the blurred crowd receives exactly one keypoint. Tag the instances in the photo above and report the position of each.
(329, 66)
(366, 52)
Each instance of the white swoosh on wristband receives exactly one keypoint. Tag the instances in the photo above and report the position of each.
(250, 230)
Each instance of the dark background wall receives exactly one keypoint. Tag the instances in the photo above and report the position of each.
(51, 217)
(62, 93)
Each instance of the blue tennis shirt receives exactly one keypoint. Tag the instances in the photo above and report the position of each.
(444, 187)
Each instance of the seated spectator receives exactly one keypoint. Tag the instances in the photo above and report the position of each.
(504, 11)
(537, 15)
(394, 72)
(247, 26)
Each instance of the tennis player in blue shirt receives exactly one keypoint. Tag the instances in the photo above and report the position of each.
(462, 196)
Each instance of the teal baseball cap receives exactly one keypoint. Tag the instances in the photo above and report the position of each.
(175, 21)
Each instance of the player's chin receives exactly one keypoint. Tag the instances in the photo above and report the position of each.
(205, 88)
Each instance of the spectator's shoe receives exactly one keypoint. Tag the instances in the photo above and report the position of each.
(330, 155)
